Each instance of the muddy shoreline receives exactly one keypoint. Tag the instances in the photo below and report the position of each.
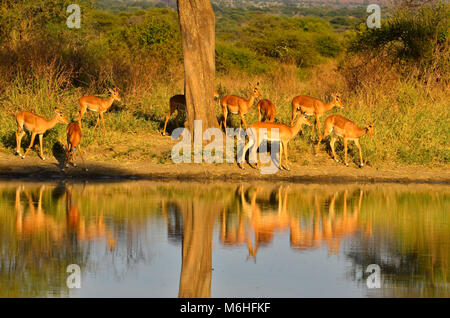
(33, 169)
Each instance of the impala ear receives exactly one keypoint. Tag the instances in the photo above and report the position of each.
(111, 90)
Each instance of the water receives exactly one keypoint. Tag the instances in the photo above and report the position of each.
(144, 239)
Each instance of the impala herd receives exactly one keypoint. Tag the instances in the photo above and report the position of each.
(302, 106)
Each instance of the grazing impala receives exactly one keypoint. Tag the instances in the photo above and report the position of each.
(73, 143)
(178, 103)
(37, 125)
(97, 104)
(342, 127)
(285, 134)
(313, 106)
(238, 105)
(267, 109)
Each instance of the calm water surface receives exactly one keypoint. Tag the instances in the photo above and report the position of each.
(144, 239)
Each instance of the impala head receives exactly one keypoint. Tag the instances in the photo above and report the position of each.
(61, 117)
(337, 100)
(255, 88)
(303, 120)
(369, 128)
(216, 94)
(115, 93)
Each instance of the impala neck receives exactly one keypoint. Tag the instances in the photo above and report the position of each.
(52, 122)
(109, 101)
(361, 132)
(250, 101)
(296, 128)
(330, 105)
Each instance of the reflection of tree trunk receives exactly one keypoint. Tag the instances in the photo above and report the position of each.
(198, 221)
(197, 31)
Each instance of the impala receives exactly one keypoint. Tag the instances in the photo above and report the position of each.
(178, 103)
(238, 105)
(312, 106)
(97, 104)
(37, 125)
(343, 127)
(267, 109)
(285, 134)
(73, 143)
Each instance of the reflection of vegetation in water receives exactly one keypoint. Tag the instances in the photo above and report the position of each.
(34, 250)
(45, 228)
(410, 241)
(405, 231)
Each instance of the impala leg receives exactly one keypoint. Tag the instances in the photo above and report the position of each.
(246, 147)
(326, 132)
(225, 114)
(33, 135)
(81, 155)
(69, 151)
(167, 120)
(254, 154)
(286, 156)
(103, 122)
(332, 142)
(281, 156)
(259, 114)
(243, 120)
(98, 120)
(345, 152)
(19, 135)
(360, 152)
(318, 125)
(83, 109)
(41, 140)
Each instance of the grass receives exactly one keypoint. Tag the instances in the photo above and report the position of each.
(412, 125)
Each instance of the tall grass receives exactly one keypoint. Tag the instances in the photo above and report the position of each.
(37, 74)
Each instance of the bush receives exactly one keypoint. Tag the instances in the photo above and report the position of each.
(418, 37)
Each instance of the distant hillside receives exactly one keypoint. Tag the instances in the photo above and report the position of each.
(255, 3)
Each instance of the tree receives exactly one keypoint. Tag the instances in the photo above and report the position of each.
(197, 25)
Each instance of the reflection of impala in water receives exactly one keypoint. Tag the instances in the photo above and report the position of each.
(87, 230)
(37, 221)
(307, 231)
(326, 227)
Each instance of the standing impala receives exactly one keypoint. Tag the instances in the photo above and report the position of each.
(178, 103)
(342, 127)
(37, 125)
(285, 134)
(312, 106)
(97, 104)
(73, 143)
(238, 105)
(267, 109)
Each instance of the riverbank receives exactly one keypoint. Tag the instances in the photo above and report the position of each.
(32, 168)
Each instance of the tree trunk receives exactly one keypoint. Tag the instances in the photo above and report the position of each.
(198, 36)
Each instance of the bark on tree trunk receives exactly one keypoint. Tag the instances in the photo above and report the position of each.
(198, 36)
